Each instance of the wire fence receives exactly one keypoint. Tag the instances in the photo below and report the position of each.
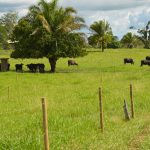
(37, 108)
(21, 111)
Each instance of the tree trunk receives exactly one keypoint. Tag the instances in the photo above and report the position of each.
(52, 62)
(103, 46)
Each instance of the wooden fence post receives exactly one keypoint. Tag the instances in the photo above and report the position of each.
(131, 99)
(45, 124)
(101, 110)
(127, 117)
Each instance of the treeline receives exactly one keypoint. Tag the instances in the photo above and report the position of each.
(101, 35)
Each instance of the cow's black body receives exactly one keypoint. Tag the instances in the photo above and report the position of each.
(36, 67)
(145, 62)
(32, 67)
(147, 57)
(19, 67)
(41, 68)
(128, 60)
(8, 67)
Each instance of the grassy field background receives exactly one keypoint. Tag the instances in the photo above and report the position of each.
(73, 105)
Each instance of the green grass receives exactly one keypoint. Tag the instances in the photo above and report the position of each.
(73, 105)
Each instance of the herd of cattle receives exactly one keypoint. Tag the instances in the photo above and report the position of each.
(41, 67)
(145, 61)
(35, 67)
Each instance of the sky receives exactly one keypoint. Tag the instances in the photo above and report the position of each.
(121, 14)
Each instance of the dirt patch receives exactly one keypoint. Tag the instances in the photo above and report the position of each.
(137, 141)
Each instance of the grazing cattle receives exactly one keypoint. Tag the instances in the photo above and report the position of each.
(128, 60)
(41, 68)
(19, 67)
(145, 62)
(32, 67)
(72, 62)
(147, 57)
(36, 67)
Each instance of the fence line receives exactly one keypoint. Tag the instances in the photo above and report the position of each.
(89, 116)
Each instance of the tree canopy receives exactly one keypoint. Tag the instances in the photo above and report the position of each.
(130, 40)
(49, 31)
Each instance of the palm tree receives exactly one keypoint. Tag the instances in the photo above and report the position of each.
(102, 33)
(57, 21)
(130, 40)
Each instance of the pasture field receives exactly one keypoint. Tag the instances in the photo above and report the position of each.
(73, 105)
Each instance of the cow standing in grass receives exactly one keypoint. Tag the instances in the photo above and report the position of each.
(19, 67)
(36, 67)
(72, 62)
(145, 62)
(128, 60)
(147, 57)
(41, 68)
(32, 67)
(8, 67)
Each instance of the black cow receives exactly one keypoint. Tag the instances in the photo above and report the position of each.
(36, 67)
(145, 62)
(8, 66)
(147, 57)
(41, 68)
(128, 60)
(72, 62)
(32, 67)
(19, 67)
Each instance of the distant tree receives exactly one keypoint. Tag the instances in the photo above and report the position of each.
(144, 35)
(130, 40)
(3, 38)
(9, 20)
(49, 31)
(102, 34)
(115, 43)
(3, 33)
(92, 40)
(7, 23)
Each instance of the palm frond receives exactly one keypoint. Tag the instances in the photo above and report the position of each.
(79, 19)
(44, 23)
(70, 10)
(35, 31)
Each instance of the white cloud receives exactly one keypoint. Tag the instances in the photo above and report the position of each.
(121, 14)
(102, 5)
